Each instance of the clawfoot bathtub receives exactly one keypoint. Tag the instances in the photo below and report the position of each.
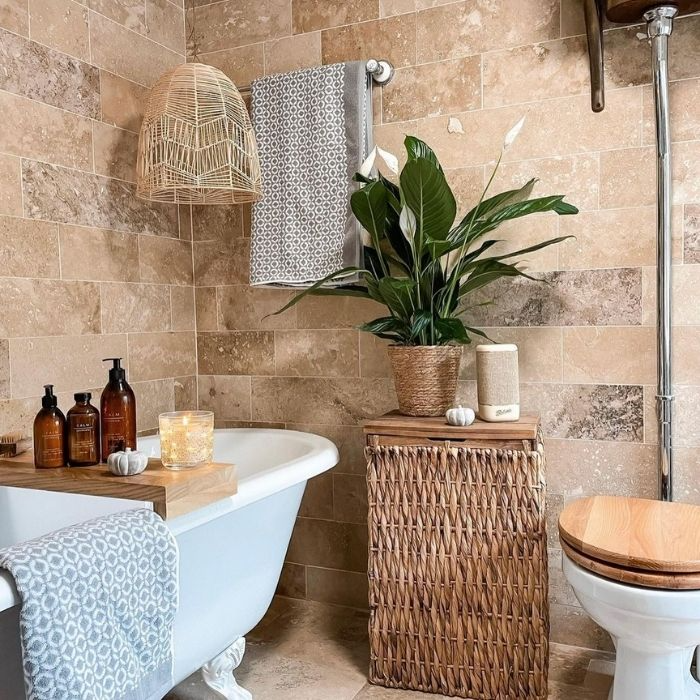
(231, 552)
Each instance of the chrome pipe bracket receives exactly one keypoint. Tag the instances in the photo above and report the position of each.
(382, 72)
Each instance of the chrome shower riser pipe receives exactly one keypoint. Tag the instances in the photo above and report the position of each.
(659, 28)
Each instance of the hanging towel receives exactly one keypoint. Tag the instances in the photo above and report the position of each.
(313, 129)
(98, 604)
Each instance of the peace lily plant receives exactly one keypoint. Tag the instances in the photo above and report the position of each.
(424, 266)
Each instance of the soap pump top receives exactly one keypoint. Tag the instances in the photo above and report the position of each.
(49, 400)
(117, 372)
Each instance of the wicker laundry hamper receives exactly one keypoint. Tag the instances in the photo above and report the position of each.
(458, 557)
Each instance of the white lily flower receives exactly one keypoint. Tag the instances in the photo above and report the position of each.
(407, 223)
(392, 162)
(513, 133)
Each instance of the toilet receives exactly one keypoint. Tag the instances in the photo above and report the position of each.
(634, 565)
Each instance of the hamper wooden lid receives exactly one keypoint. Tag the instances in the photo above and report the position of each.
(437, 428)
(634, 533)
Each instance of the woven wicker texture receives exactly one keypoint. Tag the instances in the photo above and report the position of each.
(425, 377)
(196, 143)
(458, 571)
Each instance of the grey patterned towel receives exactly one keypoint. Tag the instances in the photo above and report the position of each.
(313, 129)
(98, 604)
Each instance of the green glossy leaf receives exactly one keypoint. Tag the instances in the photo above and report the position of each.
(451, 330)
(388, 327)
(488, 271)
(415, 148)
(369, 205)
(396, 293)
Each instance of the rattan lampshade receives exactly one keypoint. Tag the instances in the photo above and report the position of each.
(197, 143)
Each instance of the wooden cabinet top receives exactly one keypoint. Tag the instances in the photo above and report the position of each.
(394, 424)
(172, 493)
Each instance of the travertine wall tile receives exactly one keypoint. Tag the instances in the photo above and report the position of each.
(293, 53)
(317, 353)
(350, 498)
(336, 587)
(243, 64)
(387, 8)
(243, 308)
(70, 363)
(241, 352)
(463, 28)
(61, 24)
(122, 101)
(98, 254)
(205, 305)
(28, 248)
(14, 15)
(130, 13)
(10, 186)
(684, 96)
(317, 501)
(165, 23)
(309, 15)
(47, 75)
(220, 223)
(572, 18)
(228, 396)
(152, 399)
(114, 151)
(218, 263)
(329, 544)
(165, 260)
(161, 355)
(4, 370)
(183, 308)
(135, 308)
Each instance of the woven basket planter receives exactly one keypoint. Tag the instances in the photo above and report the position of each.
(458, 568)
(425, 377)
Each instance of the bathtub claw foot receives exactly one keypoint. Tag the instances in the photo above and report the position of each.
(218, 673)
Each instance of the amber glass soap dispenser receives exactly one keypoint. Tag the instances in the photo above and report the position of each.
(49, 432)
(83, 434)
(118, 411)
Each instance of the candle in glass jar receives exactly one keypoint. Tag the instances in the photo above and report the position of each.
(186, 438)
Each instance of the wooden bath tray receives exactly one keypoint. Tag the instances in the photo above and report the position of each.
(172, 493)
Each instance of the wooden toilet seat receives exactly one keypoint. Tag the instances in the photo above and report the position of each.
(634, 541)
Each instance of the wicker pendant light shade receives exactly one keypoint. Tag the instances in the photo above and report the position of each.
(197, 144)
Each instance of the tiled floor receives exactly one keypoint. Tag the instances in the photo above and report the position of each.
(311, 651)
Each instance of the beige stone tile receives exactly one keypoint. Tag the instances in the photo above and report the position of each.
(62, 25)
(387, 8)
(161, 355)
(686, 310)
(467, 185)
(577, 468)
(70, 363)
(463, 28)
(185, 393)
(686, 359)
(292, 581)
(38, 307)
(560, 592)
(145, 61)
(152, 399)
(36, 130)
(293, 53)
(685, 123)
(240, 352)
(571, 625)
(44, 74)
(98, 254)
(224, 25)
(685, 476)
(539, 352)
(686, 430)
(374, 359)
(28, 248)
(350, 498)
(393, 38)
(609, 355)
(572, 20)
(555, 505)
(686, 163)
(324, 353)
(183, 309)
(691, 233)
(329, 544)
(570, 665)
(317, 501)
(336, 312)
(165, 260)
(4, 369)
(165, 23)
(546, 133)
(243, 308)
(14, 15)
(536, 71)
(336, 587)
(324, 401)
(115, 151)
(349, 440)
(219, 263)
(10, 186)
(122, 101)
(228, 396)
(309, 15)
(135, 308)
(222, 223)
(684, 59)
(73, 197)
(18, 415)
(129, 13)
(242, 64)
(205, 305)
(432, 89)
(574, 176)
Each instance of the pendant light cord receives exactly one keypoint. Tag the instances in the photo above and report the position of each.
(192, 34)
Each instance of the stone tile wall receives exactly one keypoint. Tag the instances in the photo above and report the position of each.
(586, 339)
(87, 270)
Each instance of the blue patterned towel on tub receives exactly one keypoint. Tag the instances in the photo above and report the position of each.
(98, 604)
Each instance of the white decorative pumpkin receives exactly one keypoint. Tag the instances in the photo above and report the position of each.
(127, 463)
(457, 415)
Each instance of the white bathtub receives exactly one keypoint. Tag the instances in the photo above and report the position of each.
(231, 552)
